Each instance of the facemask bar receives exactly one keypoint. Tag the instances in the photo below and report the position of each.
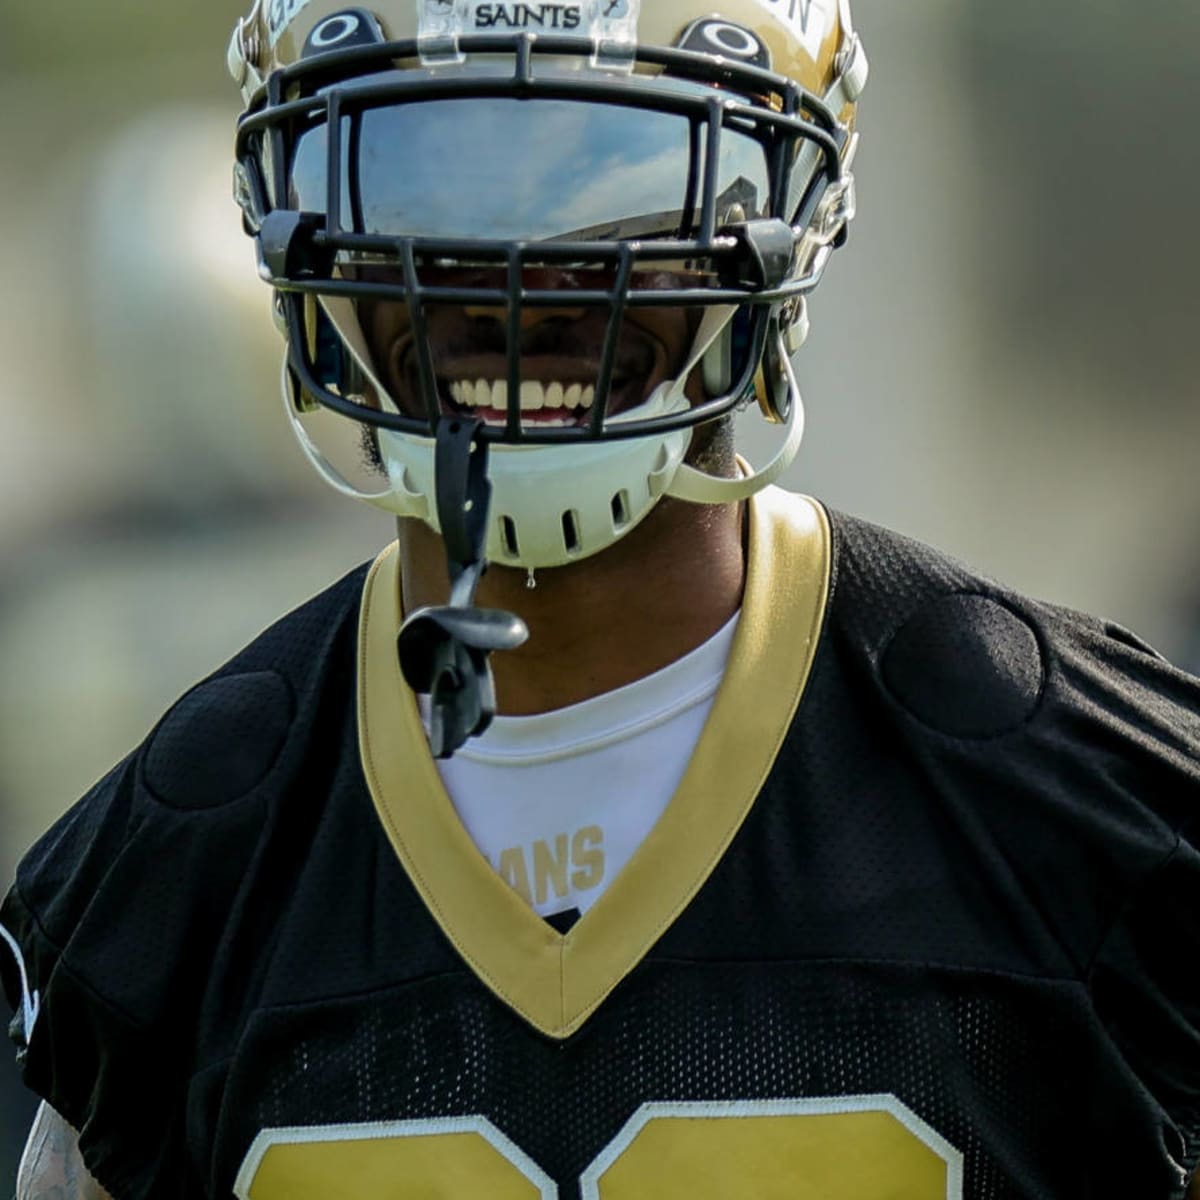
(752, 262)
(302, 359)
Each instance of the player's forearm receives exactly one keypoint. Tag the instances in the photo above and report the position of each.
(52, 1167)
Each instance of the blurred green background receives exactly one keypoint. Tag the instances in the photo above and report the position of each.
(1003, 360)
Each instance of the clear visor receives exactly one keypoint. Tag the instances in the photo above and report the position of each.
(527, 170)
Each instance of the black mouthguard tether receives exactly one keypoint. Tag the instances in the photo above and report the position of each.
(444, 648)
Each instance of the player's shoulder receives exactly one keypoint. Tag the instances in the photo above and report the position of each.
(127, 912)
(969, 657)
(176, 823)
(223, 737)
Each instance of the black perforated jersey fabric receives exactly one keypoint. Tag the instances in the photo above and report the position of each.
(970, 883)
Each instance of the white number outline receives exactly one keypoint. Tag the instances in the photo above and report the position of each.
(589, 1181)
(387, 1130)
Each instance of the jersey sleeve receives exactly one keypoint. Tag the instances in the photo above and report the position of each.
(1064, 754)
(1142, 720)
(139, 926)
(1145, 987)
(1100, 763)
(113, 922)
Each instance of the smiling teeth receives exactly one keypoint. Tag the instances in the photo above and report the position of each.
(479, 393)
(533, 395)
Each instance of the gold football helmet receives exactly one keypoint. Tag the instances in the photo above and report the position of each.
(471, 211)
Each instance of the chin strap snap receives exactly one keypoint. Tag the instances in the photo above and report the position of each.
(444, 648)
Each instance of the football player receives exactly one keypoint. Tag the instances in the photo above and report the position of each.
(629, 827)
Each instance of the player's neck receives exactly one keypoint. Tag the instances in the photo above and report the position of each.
(660, 592)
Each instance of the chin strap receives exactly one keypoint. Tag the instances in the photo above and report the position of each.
(444, 649)
(700, 488)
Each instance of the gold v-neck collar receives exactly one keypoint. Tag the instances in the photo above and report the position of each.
(554, 981)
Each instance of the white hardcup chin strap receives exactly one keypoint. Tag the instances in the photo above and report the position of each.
(701, 488)
(550, 505)
(553, 505)
(351, 334)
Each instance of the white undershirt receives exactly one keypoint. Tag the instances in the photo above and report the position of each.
(557, 803)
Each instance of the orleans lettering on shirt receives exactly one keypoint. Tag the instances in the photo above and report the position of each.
(558, 803)
(551, 871)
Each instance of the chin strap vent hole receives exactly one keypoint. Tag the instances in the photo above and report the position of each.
(620, 510)
(508, 536)
(570, 527)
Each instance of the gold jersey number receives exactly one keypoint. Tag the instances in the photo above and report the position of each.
(836, 1148)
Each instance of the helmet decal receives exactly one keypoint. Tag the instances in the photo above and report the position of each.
(279, 15)
(523, 249)
(474, 209)
(809, 20)
(715, 35)
(528, 16)
(341, 31)
(610, 20)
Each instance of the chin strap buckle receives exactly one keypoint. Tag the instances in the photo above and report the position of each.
(444, 648)
(766, 254)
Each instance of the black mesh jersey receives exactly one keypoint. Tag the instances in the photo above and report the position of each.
(952, 949)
